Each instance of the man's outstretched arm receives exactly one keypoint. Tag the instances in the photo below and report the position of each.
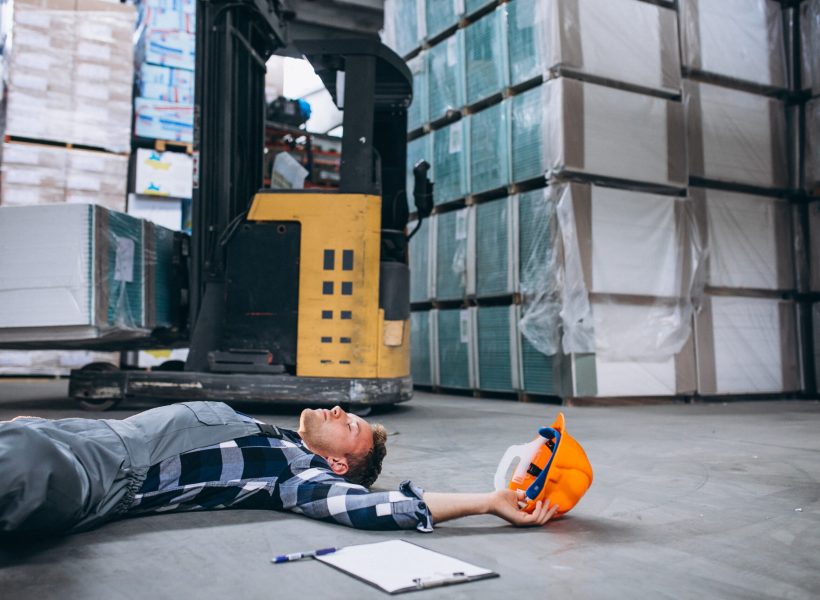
(505, 504)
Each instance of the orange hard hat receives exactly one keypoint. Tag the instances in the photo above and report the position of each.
(559, 472)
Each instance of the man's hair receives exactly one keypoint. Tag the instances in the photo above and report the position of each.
(364, 470)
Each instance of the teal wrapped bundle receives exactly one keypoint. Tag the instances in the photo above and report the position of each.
(451, 255)
(494, 248)
(472, 6)
(441, 15)
(418, 114)
(418, 149)
(445, 76)
(485, 62)
(124, 273)
(537, 232)
(489, 149)
(528, 134)
(159, 276)
(450, 162)
(496, 348)
(539, 371)
(420, 262)
(401, 26)
(454, 348)
(420, 356)
(525, 39)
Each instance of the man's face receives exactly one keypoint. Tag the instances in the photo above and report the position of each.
(335, 434)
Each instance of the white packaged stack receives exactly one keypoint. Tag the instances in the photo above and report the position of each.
(623, 41)
(41, 174)
(735, 137)
(604, 375)
(737, 39)
(71, 72)
(163, 173)
(54, 363)
(601, 131)
(79, 275)
(746, 346)
(749, 239)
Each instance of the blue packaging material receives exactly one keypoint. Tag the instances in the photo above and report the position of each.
(169, 49)
(445, 76)
(160, 120)
(455, 344)
(451, 255)
(420, 355)
(419, 112)
(525, 47)
(527, 126)
(420, 261)
(450, 162)
(166, 83)
(441, 15)
(485, 63)
(489, 149)
(496, 348)
(494, 242)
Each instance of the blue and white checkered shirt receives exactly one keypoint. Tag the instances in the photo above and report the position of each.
(275, 473)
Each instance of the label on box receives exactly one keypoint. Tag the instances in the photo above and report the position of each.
(461, 225)
(458, 7)
(464, 326)
(124, 262)
(456, 133)
(452, 55)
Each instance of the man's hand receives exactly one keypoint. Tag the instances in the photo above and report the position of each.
(507, 504)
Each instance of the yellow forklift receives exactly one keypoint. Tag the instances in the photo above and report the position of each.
(293, 296)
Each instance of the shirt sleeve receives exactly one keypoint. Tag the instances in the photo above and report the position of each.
(321, 494)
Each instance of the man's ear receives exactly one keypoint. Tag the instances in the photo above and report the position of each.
(338, 465)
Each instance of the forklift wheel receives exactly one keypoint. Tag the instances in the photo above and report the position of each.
(98, 403)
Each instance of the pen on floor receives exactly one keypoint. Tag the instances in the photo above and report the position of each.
(283, 558)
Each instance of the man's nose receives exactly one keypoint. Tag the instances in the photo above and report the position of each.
(337, 412)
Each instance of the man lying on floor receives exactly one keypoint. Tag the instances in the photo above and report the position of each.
(69, 475)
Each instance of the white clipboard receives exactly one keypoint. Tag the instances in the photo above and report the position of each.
(397, 566)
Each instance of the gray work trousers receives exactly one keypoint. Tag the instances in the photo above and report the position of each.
(74, 474)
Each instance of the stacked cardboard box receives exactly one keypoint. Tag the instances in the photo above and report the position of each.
(165, 57)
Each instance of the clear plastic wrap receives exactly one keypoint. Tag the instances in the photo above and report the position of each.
(421, 263)
(70, 73)
(419, 112)
(810, 38)
(746, 346)
(489, 148)
(527, 135)
(811, 157)
(40, 174)
(451, 162)
(418, 149)
(619, 40)
(421, 367)
(446, 78)
(736, 137)
(607, 132)
(495, 246)
(496, 344)
(749, 239)
(485, 56)
(539, 272)
(738, 39)
(403, 27)
(454, 275)
(87, 277)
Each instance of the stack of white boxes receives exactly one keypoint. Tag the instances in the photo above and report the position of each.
(69, 69)
(165, 58)
(660, 186)
(746, 334)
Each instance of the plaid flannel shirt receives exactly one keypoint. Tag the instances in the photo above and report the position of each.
(275, 473)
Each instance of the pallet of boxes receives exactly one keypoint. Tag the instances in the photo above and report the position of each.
(612, 215)
(74, 270)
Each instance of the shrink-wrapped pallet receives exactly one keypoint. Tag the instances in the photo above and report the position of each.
(489, 148)
(746, 346)
(451, 161)
(166, 83)
(71, 72)
(736, 39)
(496, 247)
(735, 137)
(567, 126)
(440, 15)
(749, 239)
(485, 61)
(623, 41)
(418, 149)
(445, 76)
(422, 346)
(96, 178)
(156, 119)
(497, 354)
(454, 269)
(80, 276)
(422, 267)
(418, 113)
(404, 25)
(455, 349)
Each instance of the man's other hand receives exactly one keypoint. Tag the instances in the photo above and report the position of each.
(508, 505)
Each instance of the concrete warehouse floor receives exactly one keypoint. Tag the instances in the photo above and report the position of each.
(689, 501)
